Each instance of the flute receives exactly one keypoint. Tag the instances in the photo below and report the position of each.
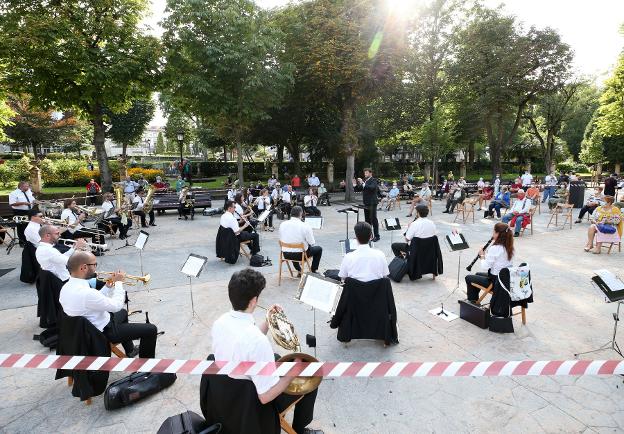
(469, 267)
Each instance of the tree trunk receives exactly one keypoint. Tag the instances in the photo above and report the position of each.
(471, 154)
(549, 158)
(350, 143)
(349, 177)
(99, 137)
(616, 169)
(239, 160)
(280, 153)
(494, 150)
(225, 158)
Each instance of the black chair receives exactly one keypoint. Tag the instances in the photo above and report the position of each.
(227, 245)
(425, 257)
(366, 310)
(30, 265)
(48, 305)
(501, 303)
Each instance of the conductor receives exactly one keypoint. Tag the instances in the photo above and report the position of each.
(370, 193)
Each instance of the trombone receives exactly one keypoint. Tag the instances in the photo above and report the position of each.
(128, 279)
(93, 246)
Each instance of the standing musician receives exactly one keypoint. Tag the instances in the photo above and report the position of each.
(262, 203)
(364, 263)
(229, 221)
(138, 204)
(110, 216)
(237, 338)
(309, 203)
(370, 193)
(287, 197)
(421, 227)
(104, 308)
(498, 256)
(93, 189)
(276, 194)
(51, 259)
(295, 231)
(21, 201)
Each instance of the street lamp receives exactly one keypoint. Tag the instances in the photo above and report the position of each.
(180, 136)
(148, 142)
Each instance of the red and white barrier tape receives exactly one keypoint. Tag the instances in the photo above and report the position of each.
(325, 369)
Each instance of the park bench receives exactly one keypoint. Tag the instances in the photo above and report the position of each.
(169, 199)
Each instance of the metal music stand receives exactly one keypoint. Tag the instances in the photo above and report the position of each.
(392, 224)
(615, 296)
(346, 212)
(193, 267)
(456, 243)
(140, 245)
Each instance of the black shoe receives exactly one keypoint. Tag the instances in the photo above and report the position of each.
(185, 217)
(445, 212)
(578, 221)
(376, 239)
(152, 224)
(516, 234)
(135, 352)
(144, 226)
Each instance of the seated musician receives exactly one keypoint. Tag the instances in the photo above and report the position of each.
(309, 203)
(74, 218)
(139, 203)
(186, 204)
(498, 256)
(501, 200)
(364, 263)
(236, 337)
(104, 307)
(49, 258)
(420, 198)
(111, 220)
(421, 227)
(485, 194)
(242, 211)
(560, 196)
(262, 203)
(295, 231)
(287, 197)
(323, 195)
(32, 229)
(456, 196)
(518, 212)
(607, 226)
(594, 201)
(276, 195)
(228, 220)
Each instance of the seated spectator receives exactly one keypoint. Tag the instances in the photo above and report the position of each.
(594, 201)
(518, 212)
(607, 226)
(456, 196)
(561, 196)
(420, 198)
(515, 187)
(390, 200)
(485, 194)
(501, 200)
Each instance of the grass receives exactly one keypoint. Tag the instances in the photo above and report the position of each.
(48, 190)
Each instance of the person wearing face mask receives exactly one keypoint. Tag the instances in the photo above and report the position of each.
(104, 308)
(594, 201)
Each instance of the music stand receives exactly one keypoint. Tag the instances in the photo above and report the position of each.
(456, 243)
(392, 224)
(140, 245)
(314, 222)
(613, 289)
(346, 212)
(192, 268)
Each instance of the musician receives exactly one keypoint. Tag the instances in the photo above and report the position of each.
(51, 259)
(74, 218)
(420, 198)
(498, 256)
(228, 220)
(309, 202)
(138, 203)
(421, 227)
(21, 201)
(32, 229)
(287, 197)
(186, 204)
(241, 210)
(236, 337)
(104, 308)
(370, 192)
(262, 203)
(456, 196)
(130, 187)
(276, 194)
(93, 189)
(110, 210)
(519, 211)
(594, 201)
(295, 231)
(364, 263)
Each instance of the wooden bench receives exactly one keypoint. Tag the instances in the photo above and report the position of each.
(170, 200)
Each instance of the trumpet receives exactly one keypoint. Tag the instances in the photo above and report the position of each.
(20, 218)
(128, 279)
(56, 222)
(93, 246)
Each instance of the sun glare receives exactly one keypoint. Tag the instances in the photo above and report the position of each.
(402, 7)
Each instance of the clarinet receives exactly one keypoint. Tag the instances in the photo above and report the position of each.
(469, 267)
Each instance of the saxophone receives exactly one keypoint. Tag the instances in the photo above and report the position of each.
(148, 204)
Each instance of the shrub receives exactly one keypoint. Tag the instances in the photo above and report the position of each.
(571, 166)
(148, 174)
(6, 175)
(21, 168)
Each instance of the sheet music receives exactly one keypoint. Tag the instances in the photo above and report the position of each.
(141, 240)
(156, 201)
(263, 216)
(392, 222)
(455, 238)
(610, 279)
(314, 222)
(193, 265)
(319, 293)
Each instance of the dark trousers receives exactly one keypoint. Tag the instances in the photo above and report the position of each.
(286, 209)
(21, 227)
(324, 198)
(483, 279)
(304, 409)
(119, 331)
(116, 224)
(494, 206)
(370, 216)
(142, 215)
(92, 200)
(255, 240)
(269, 219)
(312, 211)
(184, 211)
(586, 209)
(399, 248)
(451, 204)
(314, 252)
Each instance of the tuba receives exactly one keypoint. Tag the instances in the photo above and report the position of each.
(148, 203)
(119, 197)
(284, 335)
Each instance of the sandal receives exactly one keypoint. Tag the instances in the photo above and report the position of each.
(587, 249)
(595, 252)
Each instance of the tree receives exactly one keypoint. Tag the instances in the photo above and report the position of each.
(80, 54)
(128, 127)
(592, 148)
(177, 122)
(610, 121)
(506, 68)
(160, 148)
(221, 65)
(582, 109)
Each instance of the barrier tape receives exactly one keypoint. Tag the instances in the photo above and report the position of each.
(325, 369)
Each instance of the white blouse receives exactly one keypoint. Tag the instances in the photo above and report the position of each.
(495, 259)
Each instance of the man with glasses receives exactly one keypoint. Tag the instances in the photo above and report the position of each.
(104, 308)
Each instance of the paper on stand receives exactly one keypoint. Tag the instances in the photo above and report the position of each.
(319, 293)
(610, 280)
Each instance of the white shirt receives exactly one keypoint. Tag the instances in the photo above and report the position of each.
(18, 195)
(79, 299)
(294, 231)
(527, 179)
(52, 260)
(286, 197)
(229, 221)
(262, 202)
(231, 194)
(238, 210)
(32, 233)
(275, 194)
(550, 180)
(495, 259)
(313, 181)
(69, 216)
(364, 264)
(480, 183)
(521, 206)
(107, 206)
(236, 338)
(425, 192)
(139, 201)
(422, 227)
(310, 200)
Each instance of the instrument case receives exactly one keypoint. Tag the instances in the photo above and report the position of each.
(135, 387)
(397, 268)
(187, 423)
(478, 315)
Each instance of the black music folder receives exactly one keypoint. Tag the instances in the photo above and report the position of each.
(456, 241)
(392, 224)
(610, 285)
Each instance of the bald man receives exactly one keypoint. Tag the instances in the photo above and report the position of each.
(49, 258)
(104, 308)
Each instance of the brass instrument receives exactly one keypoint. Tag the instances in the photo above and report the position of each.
(148, 203)
(89, 211)
(128, 279)
(93, 246)
(284, 335)
(20, 218)
(124, 209)
(57, 222)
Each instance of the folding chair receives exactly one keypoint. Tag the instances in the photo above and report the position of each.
(303, 261)
(245, 250)
(488, 289)
(560, 208)
(532, 214)
(282, 418)
(465, 208)
(604, 246)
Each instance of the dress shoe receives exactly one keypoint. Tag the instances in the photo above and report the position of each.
(134, 352)
(516, 234)
(144, 226)
(376, 239)
(152, 224)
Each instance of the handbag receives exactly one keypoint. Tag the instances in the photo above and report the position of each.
(605, 228)
(135, 387)
(397, 268)
(187, 423)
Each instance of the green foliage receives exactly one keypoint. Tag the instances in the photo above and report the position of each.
(611, 110)
(592, 148)
(127, 127)
(5, 119)
(21, 169)
(7, 176)
(581, 111)
(160, 147)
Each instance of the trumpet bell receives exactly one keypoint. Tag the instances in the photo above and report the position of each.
(145, 279)
(301, 385)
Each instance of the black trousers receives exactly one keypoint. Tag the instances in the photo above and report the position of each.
(312, 211)
(483, 279)
(370, 216)
(586, 209)
(119, 331)
(314, 252)
(21, 227)
(255, 240)
(92, 200)
(286, 207)
(304, 409)
(269, 219)
(142, 215)
(116, 224)
(451, 204)
(399, 248)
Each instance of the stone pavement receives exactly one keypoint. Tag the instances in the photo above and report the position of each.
(568, 315)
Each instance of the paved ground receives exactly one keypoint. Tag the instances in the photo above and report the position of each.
(568, 315)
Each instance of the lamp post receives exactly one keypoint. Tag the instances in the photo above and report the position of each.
(148, 142)
(180, 136)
